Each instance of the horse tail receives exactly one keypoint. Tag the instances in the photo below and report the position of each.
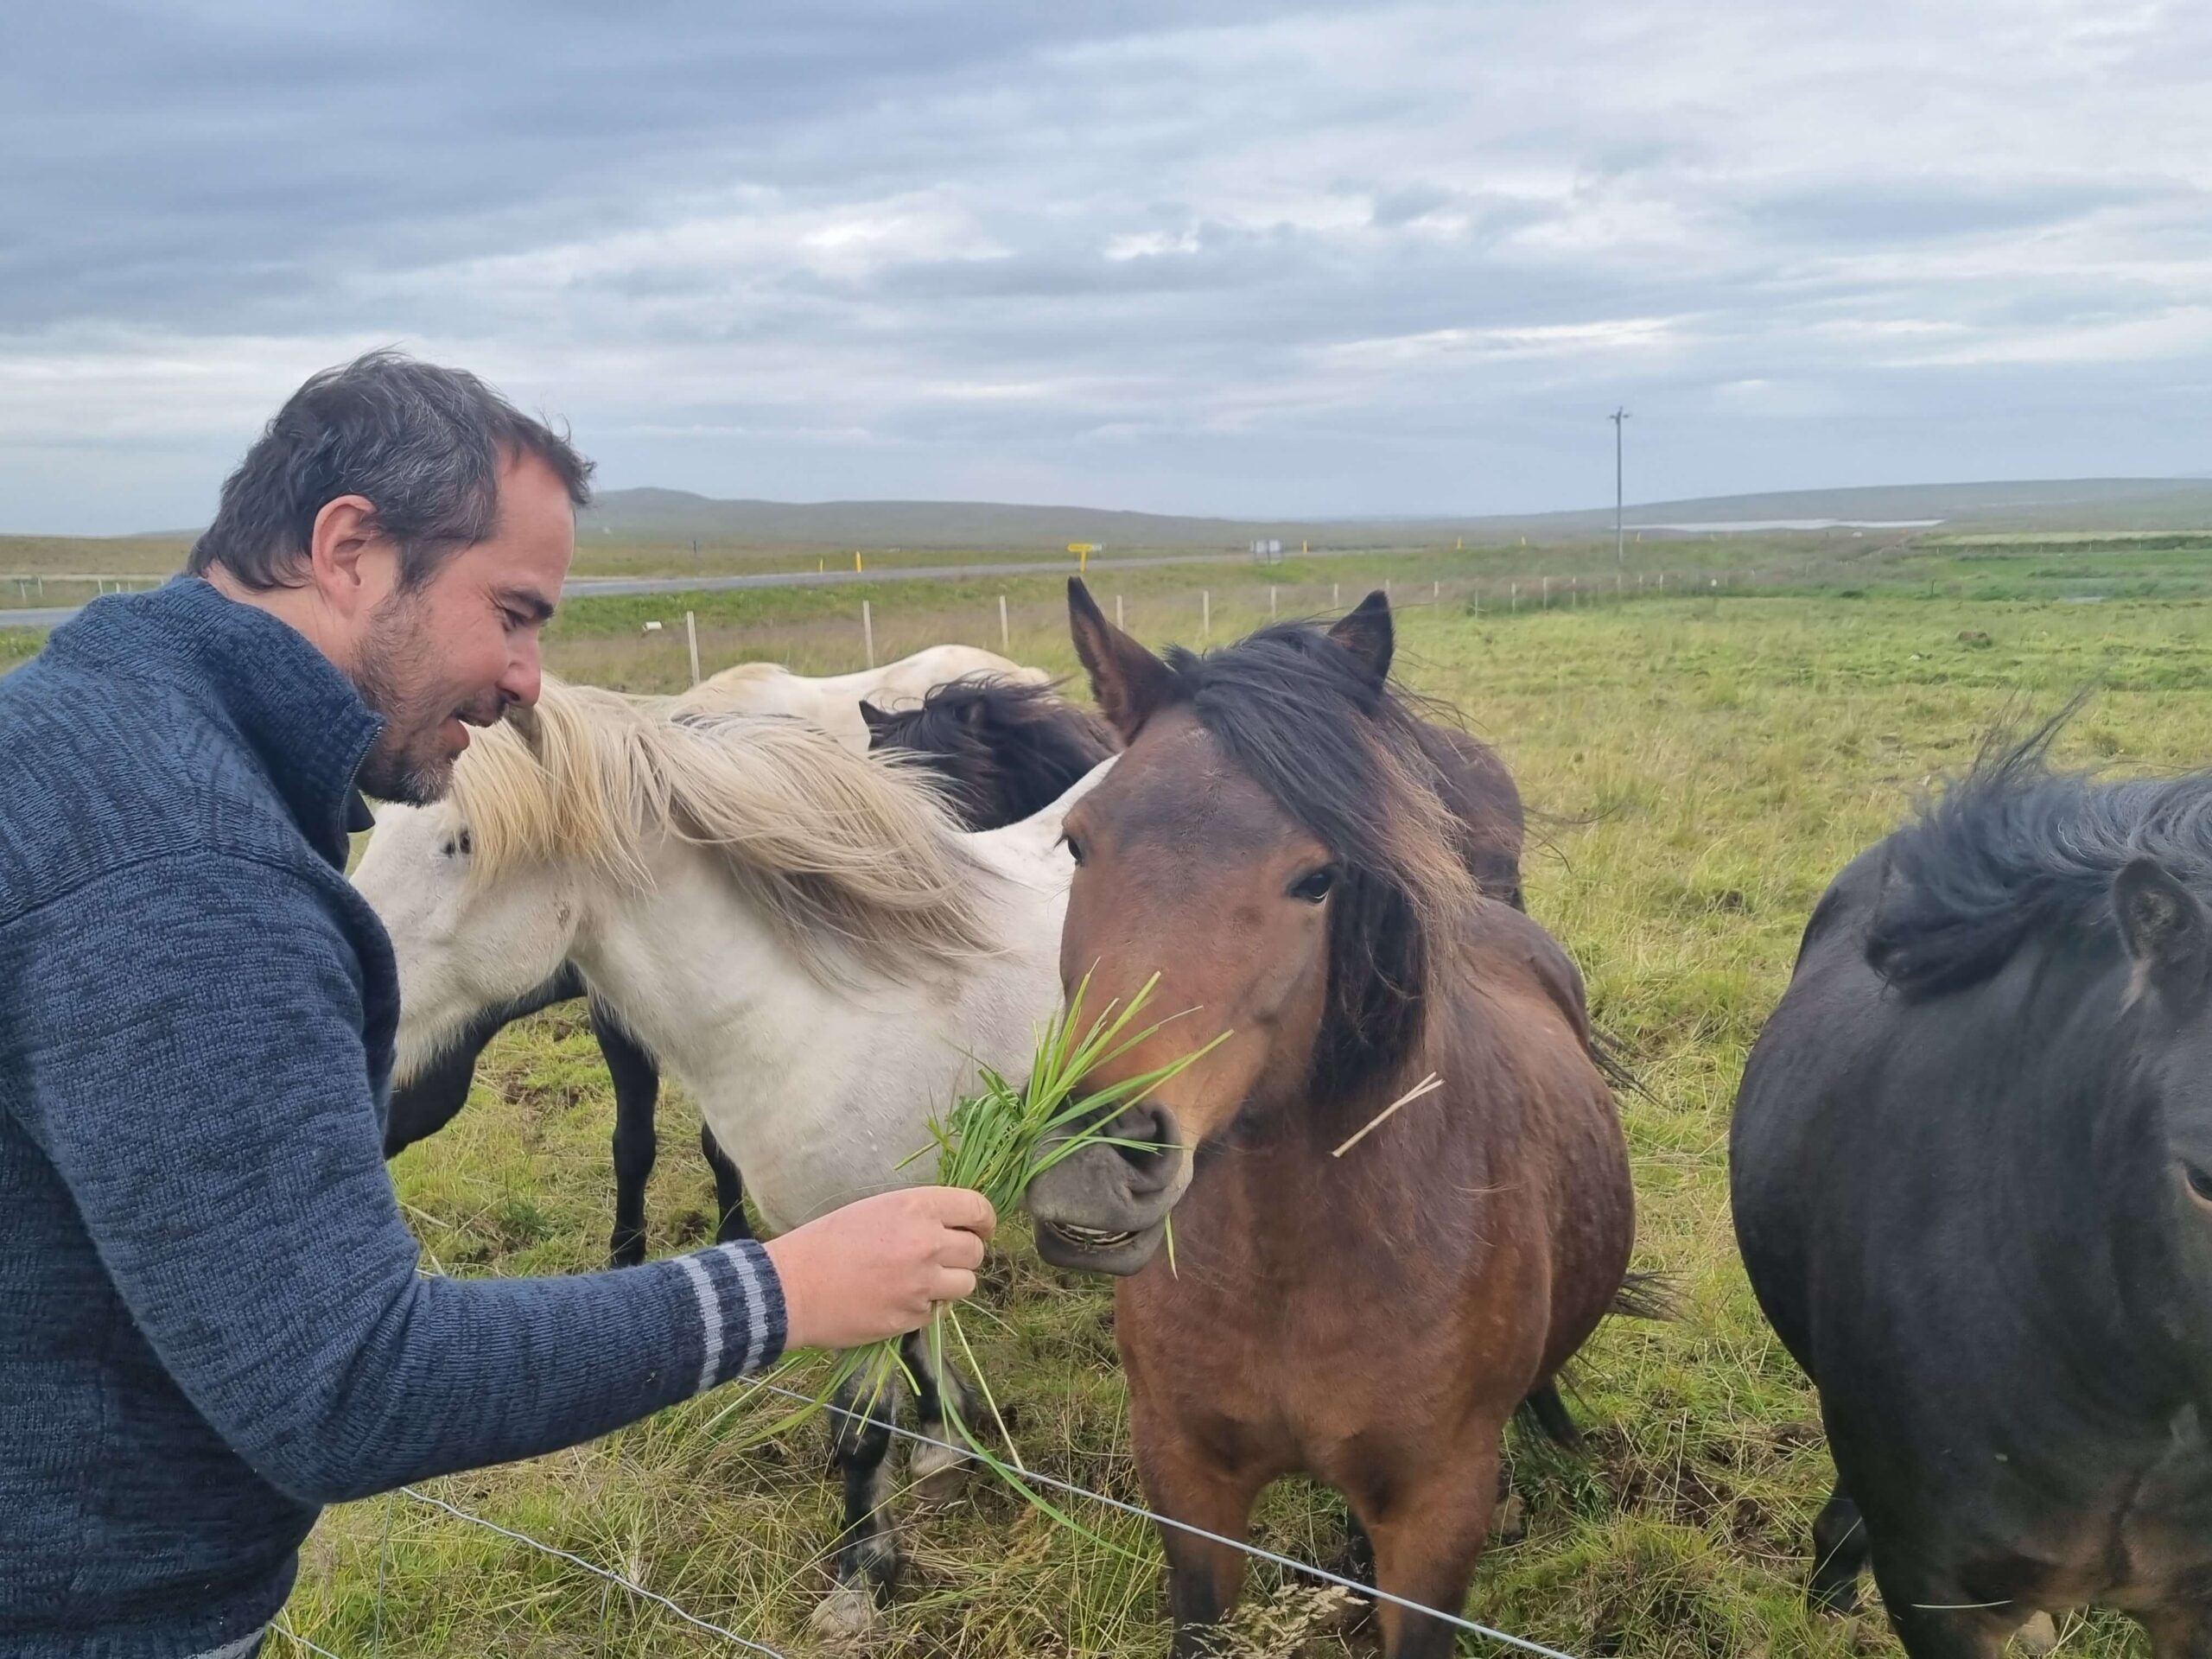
(1612, 1057)
(1647, 1296)
(1545, 1413)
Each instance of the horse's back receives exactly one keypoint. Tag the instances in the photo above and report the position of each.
(936, 666)
(1480, 792)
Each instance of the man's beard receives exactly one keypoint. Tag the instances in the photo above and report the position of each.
(397, 677)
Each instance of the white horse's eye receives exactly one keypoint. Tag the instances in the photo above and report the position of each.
(457, 845)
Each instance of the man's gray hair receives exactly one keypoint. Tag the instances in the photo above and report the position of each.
(423, 444)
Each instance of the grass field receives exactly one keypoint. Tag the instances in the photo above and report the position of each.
(1709, 763)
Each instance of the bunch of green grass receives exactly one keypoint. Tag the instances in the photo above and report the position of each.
(996, 1141)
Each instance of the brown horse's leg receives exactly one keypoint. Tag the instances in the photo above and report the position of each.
(1426, 1537)
(1203, 1578)
(2183, 1632)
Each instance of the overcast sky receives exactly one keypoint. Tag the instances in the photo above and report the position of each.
(1243, 258)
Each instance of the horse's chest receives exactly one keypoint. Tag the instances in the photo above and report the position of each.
(1280, 1372)
(2104, 1534)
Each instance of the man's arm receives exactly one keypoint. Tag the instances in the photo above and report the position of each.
(191, 1064)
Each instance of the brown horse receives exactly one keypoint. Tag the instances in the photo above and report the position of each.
(1369, 1311)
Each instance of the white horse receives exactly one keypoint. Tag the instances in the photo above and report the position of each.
(802, 934)
(833, 702)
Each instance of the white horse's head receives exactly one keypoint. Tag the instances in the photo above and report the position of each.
(464, 944)
(562, 816)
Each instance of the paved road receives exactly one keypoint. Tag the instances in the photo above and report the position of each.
(591, 587)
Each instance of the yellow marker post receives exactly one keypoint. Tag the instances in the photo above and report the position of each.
(856, 560)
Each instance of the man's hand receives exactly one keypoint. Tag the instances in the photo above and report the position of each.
(873, 1269)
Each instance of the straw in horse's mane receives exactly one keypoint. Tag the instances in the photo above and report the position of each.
(1342, 753)
(844, 853)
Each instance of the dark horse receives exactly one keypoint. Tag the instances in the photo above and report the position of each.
(1005, 751)
(999, 747)
(1972, 1166)
(1274, 844)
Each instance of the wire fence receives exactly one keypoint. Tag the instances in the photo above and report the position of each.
(748, 1644)
(866, 632)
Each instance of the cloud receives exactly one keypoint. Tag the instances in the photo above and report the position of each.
(1256, 257)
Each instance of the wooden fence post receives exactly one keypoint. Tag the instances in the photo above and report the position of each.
(691, 639)
(1006, 635)
(1205, 614)
(867, 632)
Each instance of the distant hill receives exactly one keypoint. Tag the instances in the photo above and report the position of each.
(676, 516)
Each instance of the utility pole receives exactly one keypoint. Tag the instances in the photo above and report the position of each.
(1620, 547)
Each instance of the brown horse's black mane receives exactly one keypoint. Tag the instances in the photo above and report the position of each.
(2016, 850)
(1340, 751)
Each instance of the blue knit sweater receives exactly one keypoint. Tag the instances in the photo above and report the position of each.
(210, 1317)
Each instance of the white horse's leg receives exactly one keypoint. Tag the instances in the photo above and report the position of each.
(938, 1471)
(867, 1553)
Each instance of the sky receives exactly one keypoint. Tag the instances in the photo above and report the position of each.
(1243, 258)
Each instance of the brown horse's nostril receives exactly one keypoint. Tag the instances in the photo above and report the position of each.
(1142, 1135)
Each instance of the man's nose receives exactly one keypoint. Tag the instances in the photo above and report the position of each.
(524, 677)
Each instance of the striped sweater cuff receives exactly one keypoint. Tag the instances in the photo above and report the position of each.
(740, 1304)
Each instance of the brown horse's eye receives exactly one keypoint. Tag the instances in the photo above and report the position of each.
(1313, 888)
(1074, 847)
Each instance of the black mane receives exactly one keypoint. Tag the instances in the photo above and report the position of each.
(1005, 750)
(1343, 755)
(2014, 851)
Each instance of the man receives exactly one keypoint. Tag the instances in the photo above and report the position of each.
(210, 1317)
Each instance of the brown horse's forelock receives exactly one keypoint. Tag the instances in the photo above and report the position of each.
(1342, 756)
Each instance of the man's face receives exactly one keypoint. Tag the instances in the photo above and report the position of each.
(461, 649)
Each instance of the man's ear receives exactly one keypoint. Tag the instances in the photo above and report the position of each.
(343, 548)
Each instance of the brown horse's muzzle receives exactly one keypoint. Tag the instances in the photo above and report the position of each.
(1104, 1209)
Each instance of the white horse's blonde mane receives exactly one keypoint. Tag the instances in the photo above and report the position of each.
(837, 850)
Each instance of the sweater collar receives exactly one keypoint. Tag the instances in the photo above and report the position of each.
(301, 718)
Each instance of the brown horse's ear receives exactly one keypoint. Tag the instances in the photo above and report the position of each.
(2165, 930)
(873, 717)
(1367, 632)
(1129, 682)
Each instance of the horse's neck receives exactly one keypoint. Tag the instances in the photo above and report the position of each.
(817, 1091)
